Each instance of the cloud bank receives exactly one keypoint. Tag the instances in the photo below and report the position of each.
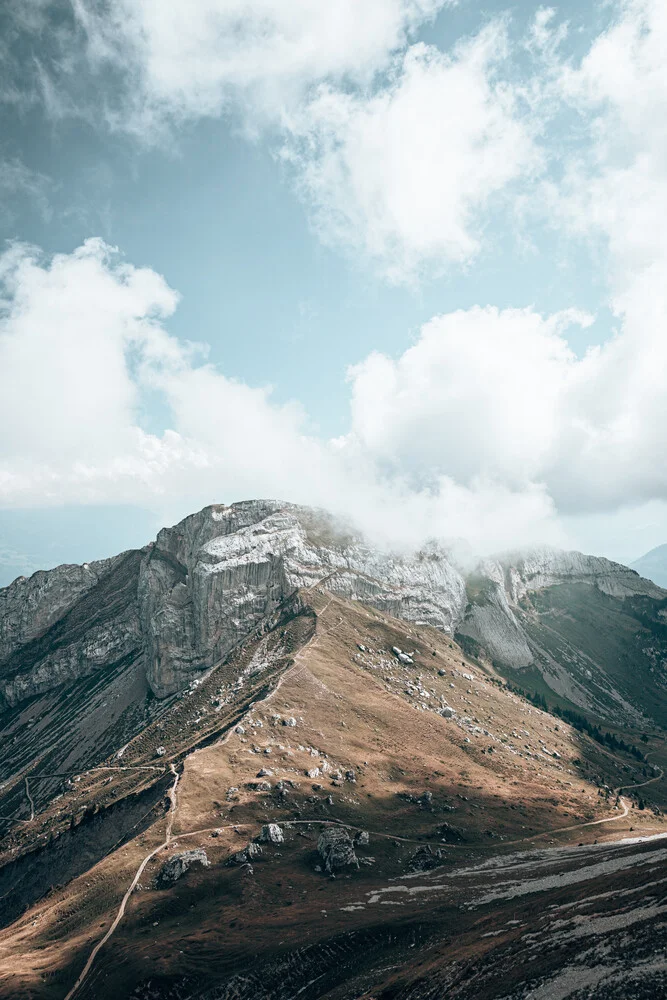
(486, 428)
(489, 426)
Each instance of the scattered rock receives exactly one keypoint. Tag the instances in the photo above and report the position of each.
(272, 834)
(291, 721)
(264, 772)
(362, 839)
(160, 752)
(350, 776)
(246, 855)
(176, 866)
(336, 849)
(424, 859)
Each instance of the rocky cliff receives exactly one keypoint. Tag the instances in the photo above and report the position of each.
(182, 604)
(185, 601)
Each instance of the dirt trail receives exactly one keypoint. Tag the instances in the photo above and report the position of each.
(121, 910)
(170, 836)
(30, 800)
(170, 824)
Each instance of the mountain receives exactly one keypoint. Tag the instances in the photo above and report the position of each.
(653, 565)
(259, 758)
(584, 632)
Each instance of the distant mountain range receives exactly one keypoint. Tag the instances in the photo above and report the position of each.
(653, 565)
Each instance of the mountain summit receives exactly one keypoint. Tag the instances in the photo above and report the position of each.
(300, 757)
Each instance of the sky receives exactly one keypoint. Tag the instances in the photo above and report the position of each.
(405, 260)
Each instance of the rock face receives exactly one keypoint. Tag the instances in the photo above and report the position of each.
(184, 602)
(176, 866)
(211, 579)
(68, 623)
(176, 608)
(498, 587)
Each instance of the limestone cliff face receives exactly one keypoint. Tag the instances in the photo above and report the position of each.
(179, 606)
(31, 605)
(68, 623)
(212, 578)
(498, 586)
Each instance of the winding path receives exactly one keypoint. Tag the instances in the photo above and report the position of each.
(121, 909)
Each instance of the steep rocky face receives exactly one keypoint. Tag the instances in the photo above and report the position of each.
(30, 605)
(212, 578)
(66, 624)
(182, 604)
(592, 631)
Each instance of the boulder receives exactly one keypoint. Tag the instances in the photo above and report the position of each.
(178, 864)
(336, 849)
(272, 834)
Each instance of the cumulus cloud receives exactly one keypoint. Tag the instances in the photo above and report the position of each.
(82, 339)
(203, 58)
(404, 175)
(487, 428)
(615, 186)
(397, 149)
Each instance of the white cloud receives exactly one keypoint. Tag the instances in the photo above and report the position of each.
(486, 428)
(82, 339)
(499, 394)
(187, 61)
(405, 175)
(616, 187)
(398, 149)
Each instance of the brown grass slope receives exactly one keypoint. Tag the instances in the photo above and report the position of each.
(497, 776)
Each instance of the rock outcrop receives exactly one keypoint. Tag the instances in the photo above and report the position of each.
(498, 587)
(336, 849)
(208, 581)
(178, 865)
(178, 607)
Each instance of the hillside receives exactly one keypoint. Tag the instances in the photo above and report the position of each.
(258, 678)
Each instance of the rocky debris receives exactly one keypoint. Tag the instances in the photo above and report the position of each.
(350, 776)
(450, 834)
(232, 793)
(264, 772)
(362, 838)
(176, 866)
(263, 786)
(314, 772)
(424, 859)
(245, 855)
(272, 834)
(291, 721)
(160, 752)
(447, 713)
(336, 849)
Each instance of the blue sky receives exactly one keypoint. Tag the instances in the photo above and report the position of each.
(411, 227)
